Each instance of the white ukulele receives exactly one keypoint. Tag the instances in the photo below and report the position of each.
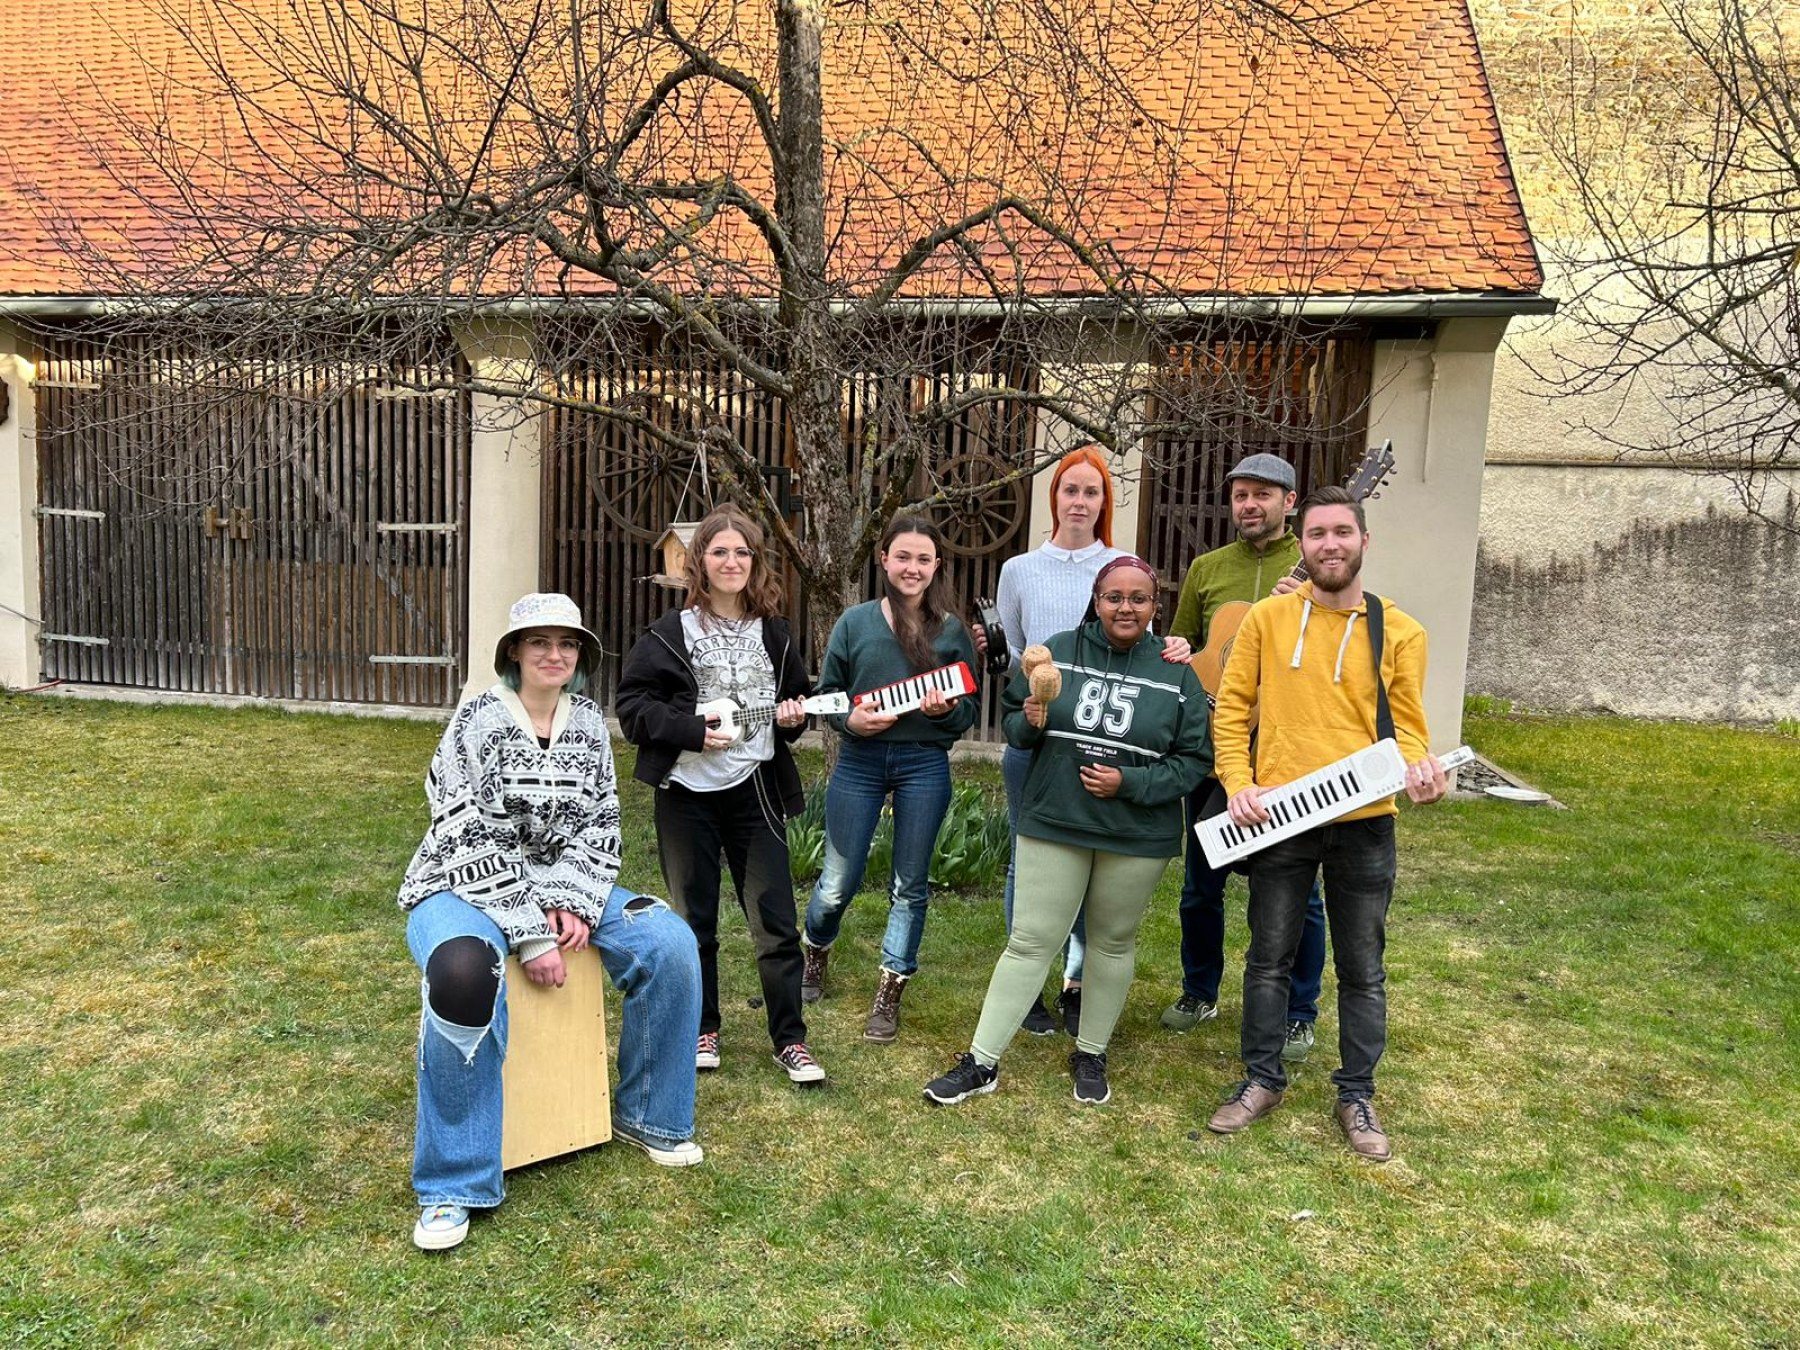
(723, 714)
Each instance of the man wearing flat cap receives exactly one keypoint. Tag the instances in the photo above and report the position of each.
(1231, 578)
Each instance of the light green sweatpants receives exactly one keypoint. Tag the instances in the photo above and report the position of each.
(1050, 885)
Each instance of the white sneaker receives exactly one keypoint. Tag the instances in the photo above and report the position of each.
(684, 1154)
(706, 1050)
(440, 1227)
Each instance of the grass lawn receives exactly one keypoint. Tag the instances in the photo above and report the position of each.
(1593, 1083)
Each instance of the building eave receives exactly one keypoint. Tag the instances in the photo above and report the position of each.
(1342, 308)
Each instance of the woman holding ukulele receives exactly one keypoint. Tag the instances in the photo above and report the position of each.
(907, 632)
(718, 791)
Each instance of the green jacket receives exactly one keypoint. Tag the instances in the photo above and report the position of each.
(1132, 711)
(1234, 572)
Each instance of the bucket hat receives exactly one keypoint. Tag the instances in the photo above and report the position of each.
(547, 609)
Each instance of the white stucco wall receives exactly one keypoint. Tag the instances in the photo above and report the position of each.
(20, 654)
(1431, 399)
(504, 479)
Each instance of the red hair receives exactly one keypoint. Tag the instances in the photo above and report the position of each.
(1089, 455)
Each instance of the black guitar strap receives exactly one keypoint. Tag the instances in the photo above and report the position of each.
(1384, 715)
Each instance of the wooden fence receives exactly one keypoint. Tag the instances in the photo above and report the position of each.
(275, 528)
(1302, 396)
(609, 491)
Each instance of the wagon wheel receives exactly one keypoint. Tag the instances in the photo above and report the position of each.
(981, 523)
(640, 483)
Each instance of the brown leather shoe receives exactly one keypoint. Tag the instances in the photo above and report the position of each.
(1362, 1127)
(1247, 1101)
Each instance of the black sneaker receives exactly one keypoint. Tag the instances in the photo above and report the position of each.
(1068, 1003)
(968, 1077)
(1089, 1073)
(1038, 1020)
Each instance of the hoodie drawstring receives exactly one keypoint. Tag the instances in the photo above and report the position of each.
(1337, 672)
(1300, 642)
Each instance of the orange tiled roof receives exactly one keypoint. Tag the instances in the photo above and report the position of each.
(1210, 158)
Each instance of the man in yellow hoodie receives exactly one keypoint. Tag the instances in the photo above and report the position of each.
(1309, 658)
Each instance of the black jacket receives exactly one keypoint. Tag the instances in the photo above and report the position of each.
(658, 692)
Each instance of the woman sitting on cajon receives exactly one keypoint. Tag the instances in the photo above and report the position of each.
(1118, 739)
(520, 857)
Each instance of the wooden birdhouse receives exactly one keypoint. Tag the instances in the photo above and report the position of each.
(674, 548)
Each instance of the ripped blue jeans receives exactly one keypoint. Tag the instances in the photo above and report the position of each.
(648, 952)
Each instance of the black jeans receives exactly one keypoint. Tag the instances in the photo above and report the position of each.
(744, 824)
(1202, 915)
(1358, 860)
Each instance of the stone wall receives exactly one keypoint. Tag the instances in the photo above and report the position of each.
(1639, 589)
(1642, 591)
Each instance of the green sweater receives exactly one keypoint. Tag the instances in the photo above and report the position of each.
(1234, 572)
(864, 654)
(1131, 711)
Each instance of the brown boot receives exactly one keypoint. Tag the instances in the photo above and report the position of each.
(884, 1018)
(1362, 1127)
(812, 971)
(1247, 1101)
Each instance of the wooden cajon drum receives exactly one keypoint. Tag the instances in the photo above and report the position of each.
(555, 1075)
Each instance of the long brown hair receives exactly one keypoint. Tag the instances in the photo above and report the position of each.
(762, 593)
(917, 629)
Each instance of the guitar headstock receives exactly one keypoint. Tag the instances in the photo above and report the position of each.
(1372, 472)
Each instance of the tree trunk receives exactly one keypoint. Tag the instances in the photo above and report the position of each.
(813, 358)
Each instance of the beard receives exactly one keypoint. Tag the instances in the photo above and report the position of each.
(1267, 529)
(1347, 572)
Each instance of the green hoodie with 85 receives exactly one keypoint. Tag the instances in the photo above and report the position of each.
(1129, 710)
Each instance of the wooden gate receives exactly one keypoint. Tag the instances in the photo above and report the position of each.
(1304, 397)
(273, 528)
(609, 491)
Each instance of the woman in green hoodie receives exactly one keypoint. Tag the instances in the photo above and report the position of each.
(1113, 755)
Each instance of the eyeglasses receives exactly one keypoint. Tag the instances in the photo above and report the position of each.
(1137, 599)
(543, 646)
(721, 554)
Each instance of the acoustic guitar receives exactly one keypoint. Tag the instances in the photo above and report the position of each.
(1221, 633)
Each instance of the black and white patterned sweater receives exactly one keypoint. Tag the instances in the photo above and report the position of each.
(516, 829)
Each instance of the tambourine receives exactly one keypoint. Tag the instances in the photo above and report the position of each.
(998, 655)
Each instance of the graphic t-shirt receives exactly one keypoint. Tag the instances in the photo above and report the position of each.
(729, 661)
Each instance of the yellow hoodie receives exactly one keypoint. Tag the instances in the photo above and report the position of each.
(1311, 667)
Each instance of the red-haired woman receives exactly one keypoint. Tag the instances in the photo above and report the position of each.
(719, 792)
(1043, 593)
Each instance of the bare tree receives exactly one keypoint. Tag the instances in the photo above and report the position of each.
(818, 202)
(1678, 136)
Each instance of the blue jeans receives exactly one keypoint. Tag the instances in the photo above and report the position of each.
(918, 776)
(1014, 765)
(1202, 915)
(649, 953)
(1357, 857)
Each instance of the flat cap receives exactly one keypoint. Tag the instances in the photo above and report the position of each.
(1266, 469)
